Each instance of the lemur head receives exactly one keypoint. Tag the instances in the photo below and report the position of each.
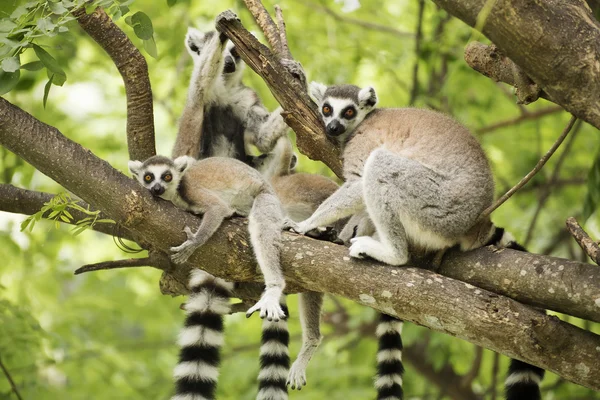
(195, 43)
(343, 107)
(160, 175)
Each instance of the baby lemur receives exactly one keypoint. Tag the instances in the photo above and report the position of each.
(222, 117)
(218, 188)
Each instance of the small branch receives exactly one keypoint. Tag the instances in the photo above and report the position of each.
(495, 369)
(355, 21)
(471, 375)
(10, 381)
(591, 248)
(491, 62)
(133, 68)
(301, 112)
(523, 117)
(418, 36)
(265, 23)
(534, 171)
(283, 50)
(127, 263)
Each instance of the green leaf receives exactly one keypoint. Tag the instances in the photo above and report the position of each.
(45, 25)
(8, 80)
(64, 218)
(171, 3)
(10, 64)
(68, 3)
(19, 12)
(142, 26)
(124, 10)
(150, 47)
(592, 199)
(58, 8)
(58, 79)
(63, 29)
(6, 25)
(47, 90)
(33, 66)
(48, 60)
(25, 223)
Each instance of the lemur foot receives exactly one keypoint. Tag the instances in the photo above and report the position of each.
(295, 69)
(186, 249)
(328, 234)
(290, 225)
(366, 246)
(269, 305)
(297, 376)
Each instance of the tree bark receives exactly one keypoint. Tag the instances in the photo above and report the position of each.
(420, 296)
(133, 68)
(555, 42)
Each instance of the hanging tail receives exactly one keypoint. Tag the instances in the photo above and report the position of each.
(389, 359)
(523, 380)
(274, 358)
(201, 338)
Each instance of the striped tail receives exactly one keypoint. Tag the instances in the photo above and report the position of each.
(274, 359)
(389, 359)
(201, 338)
(523, 381)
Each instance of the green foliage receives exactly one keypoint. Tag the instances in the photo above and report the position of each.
(110, 334)
(57, 209)
(592, 200)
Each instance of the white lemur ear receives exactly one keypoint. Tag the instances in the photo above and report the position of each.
(317, 91)
(182, 163)
(367, 98)
(135, 167)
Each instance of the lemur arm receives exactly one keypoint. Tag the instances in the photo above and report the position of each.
(347, 200)
(207, 68)
(264, 128)
(215, 211)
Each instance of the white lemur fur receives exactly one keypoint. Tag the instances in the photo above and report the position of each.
(218, 188)
(222, 117)
(422, 178)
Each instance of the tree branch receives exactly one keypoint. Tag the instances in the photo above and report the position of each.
(534, 171)
(300, 111)
(555, 43)
(133, 68)
(591, 248)
(476, 315)
(527, 116)
(13, 386)
(28, 202)
(127, 263)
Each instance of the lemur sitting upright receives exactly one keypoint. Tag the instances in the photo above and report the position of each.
(224, 114)
(218, 188)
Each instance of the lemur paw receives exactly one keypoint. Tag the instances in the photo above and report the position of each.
(269, 305)
(297, 227)
(297, 376)
(182, 252)
(366, 246)
(328, 234)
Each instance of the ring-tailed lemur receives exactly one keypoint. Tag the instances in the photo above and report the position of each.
(218, 188)
(227, 116)
(523, 379)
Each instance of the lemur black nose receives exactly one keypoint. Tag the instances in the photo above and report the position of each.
(334, 128)
(229, 65)
(157, 190)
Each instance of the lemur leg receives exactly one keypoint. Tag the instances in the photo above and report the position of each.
(310, 318)
(274, 358)
(358, 225)
(265, 223)
(347, 200)
(212, 219)
(402, 194)
(208, 66)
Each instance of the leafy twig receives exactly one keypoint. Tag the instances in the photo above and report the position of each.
(10, 381)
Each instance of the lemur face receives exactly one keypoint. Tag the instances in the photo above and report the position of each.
(196, 41)
(160, 175)
(343, 107)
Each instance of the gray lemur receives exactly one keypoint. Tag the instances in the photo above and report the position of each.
(223, 114)
(421, 177)
(218, 188)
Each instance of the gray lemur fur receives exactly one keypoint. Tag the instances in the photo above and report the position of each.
(230, 115)
(218, 188)
(421, 177)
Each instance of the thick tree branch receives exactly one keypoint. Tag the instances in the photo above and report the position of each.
(555, 43)
(591, 248)
(300, 111)
(476, 315)
(28, 202)
(133, 68)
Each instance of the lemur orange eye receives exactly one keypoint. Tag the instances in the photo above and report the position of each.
(168, 177)
(349, 113)
(148, 177)
(326, 110)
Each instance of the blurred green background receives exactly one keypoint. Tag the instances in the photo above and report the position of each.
(111, 335)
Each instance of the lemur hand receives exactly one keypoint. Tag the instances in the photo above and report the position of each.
(269, 305)
(186, 249)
